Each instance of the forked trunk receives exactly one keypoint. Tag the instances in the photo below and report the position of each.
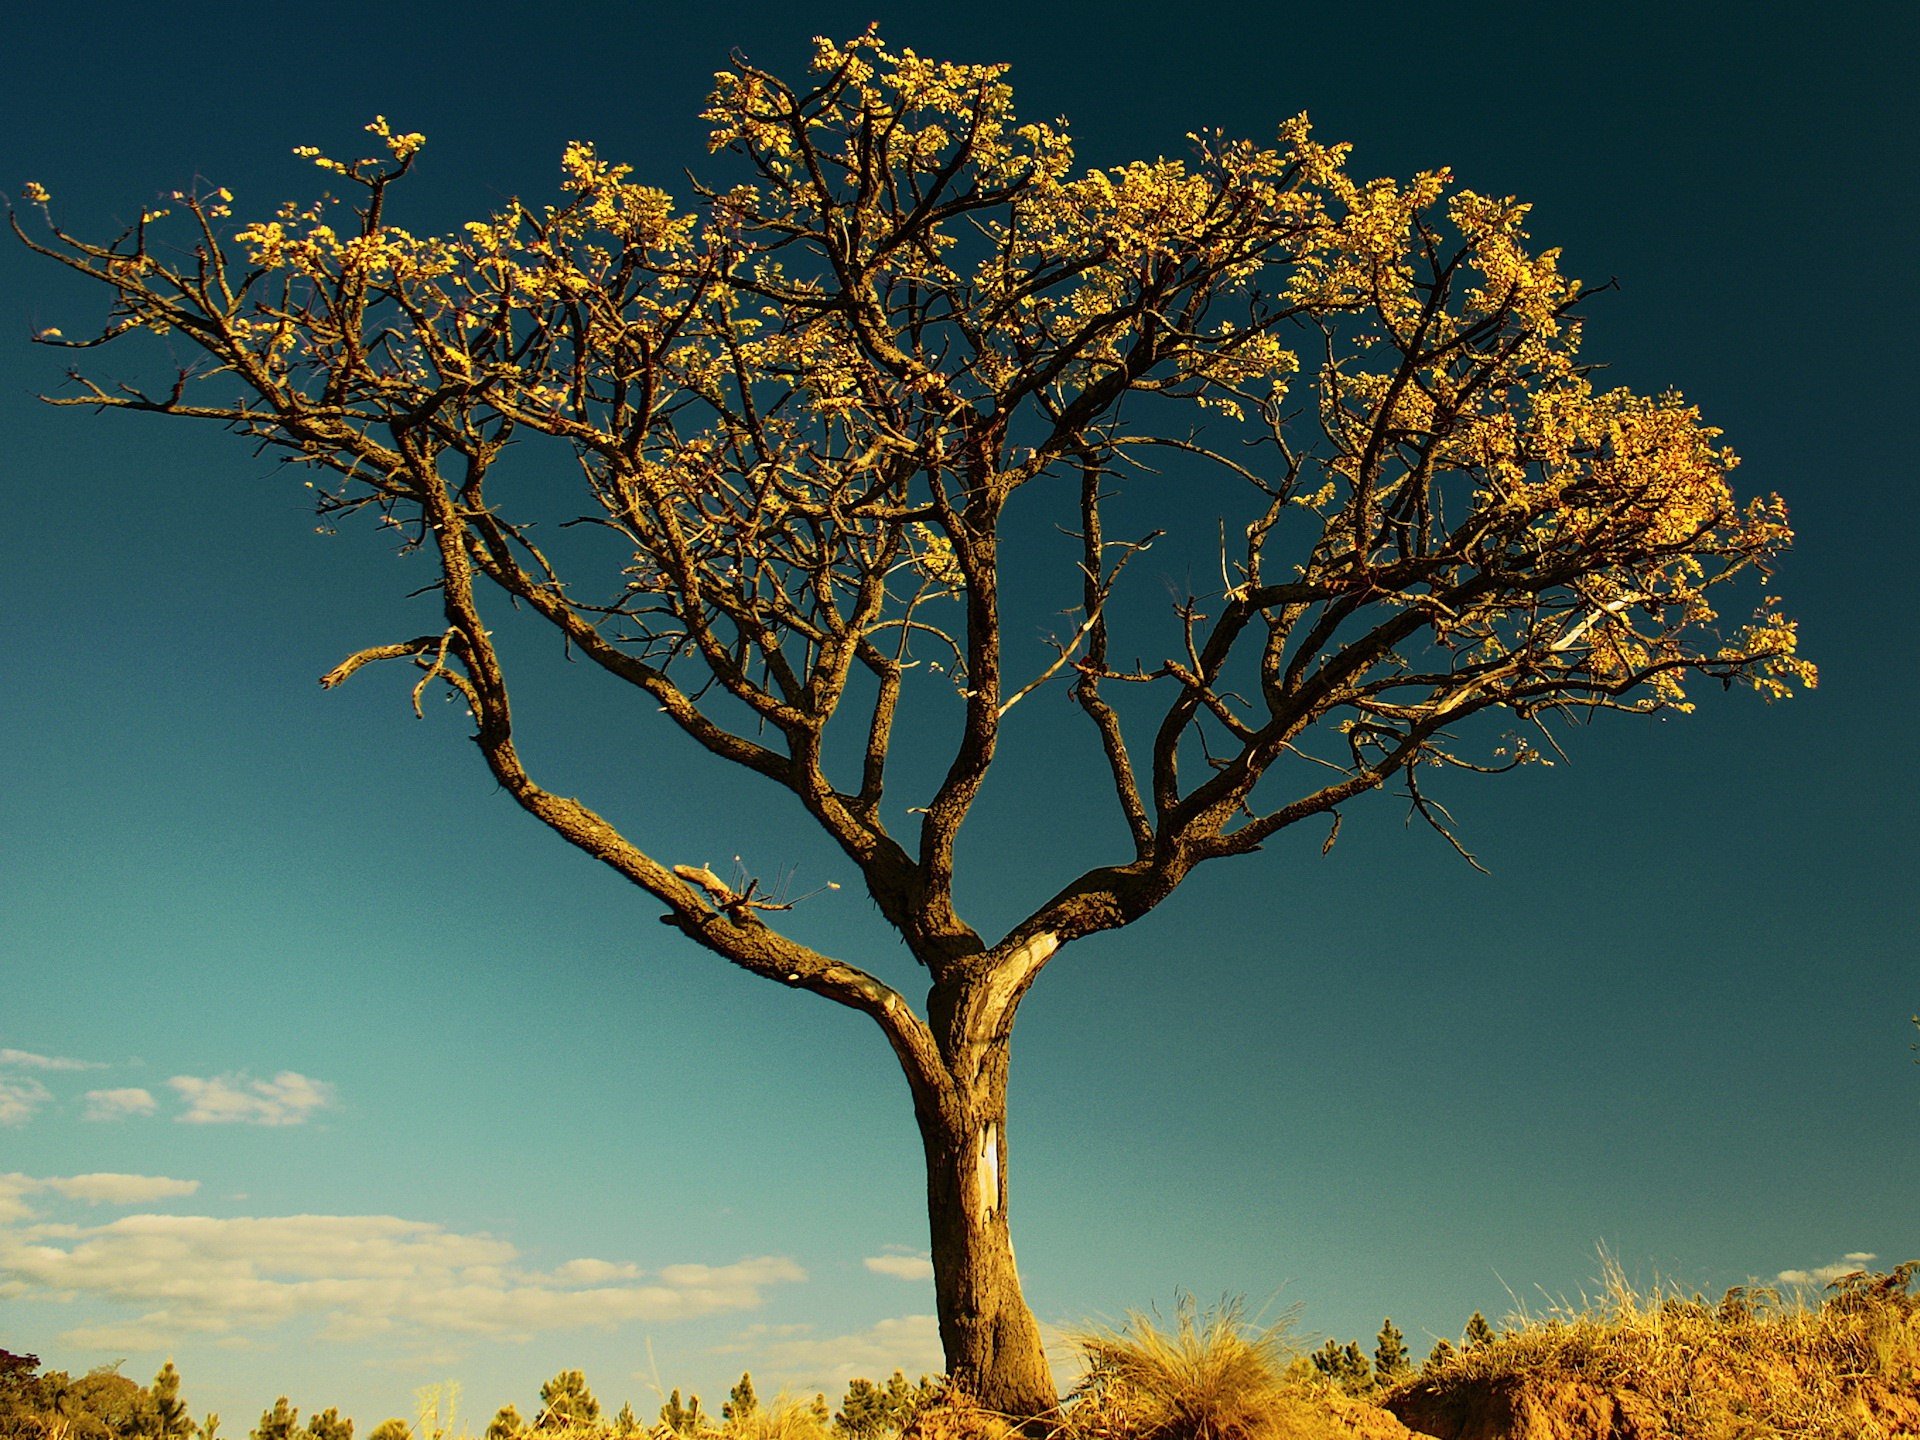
(992, 1343)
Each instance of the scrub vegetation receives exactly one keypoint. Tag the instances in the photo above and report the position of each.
(1627, 1365)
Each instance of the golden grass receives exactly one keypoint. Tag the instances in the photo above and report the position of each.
(1755, 1364)
(1209, 1376)
(785, 1417)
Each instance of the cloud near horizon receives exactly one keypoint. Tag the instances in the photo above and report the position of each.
(27, 1060)
(119, 1104)
(901, 1266)
(107, 1187)
(791, 1356)
(1847, 1264)
(238, 1099)
(356, 1275)
(99, 1188)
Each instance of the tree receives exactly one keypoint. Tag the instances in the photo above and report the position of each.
(741, 1401)
(683, 1420)
(802, 414)
(1345, 1365)
(864, 1413)
(1390, 1359)
(279, 1423)
(565, 1402)
(626, 1423)
(23, 1396)
(1440, 1355)
(1479, 1333)
(170, 1418)
(392, 1428)
(328, 1425)
(506, 1424)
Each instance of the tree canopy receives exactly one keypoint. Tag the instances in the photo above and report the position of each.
(800, 410)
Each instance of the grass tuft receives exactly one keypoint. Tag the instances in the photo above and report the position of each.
(1210, 1376)
(786, 1417)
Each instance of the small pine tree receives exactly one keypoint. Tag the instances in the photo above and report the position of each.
(905, 1401)
(1327, 1359)
(279, 1423)
(210, 1427)
(1479, 1333)
(626, 1423)
(1441, 1353)
(683, 1420)
(818, 1411)
(1345, 1365)
(864, 1413)
(393, 1428)
(741, 1401)
(1390, 1359)
(170, 1418)
(506, 1424)
(566, 1402)
(1359, 1377)
(328, 1425)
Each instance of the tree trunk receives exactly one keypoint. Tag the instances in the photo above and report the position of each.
(992, 1343)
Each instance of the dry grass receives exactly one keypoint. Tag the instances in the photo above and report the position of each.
(1753, 1365)
(786, 1417)
(1209, 1376)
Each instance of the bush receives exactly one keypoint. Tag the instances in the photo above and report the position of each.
(1210, 1377)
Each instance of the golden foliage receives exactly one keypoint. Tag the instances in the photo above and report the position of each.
(804, 402)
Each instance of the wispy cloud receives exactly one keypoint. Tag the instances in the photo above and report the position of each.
(238, 1099)
(20, 1097)
(356, 1275)
(118, 1104)
(100, 1188)
(908, 1343)
(108, 1187)
(27, 1060)
(900, 1266)
(1826, 1274)
(14, 1188)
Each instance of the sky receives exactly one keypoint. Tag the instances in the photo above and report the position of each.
(328, 1073)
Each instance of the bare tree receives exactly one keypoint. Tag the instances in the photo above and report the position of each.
(802, 410)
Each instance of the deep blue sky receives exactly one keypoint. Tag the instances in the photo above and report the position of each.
(1672, 1022)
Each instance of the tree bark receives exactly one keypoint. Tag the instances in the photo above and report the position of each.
(991, 1340)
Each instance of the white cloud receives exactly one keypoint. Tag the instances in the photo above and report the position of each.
(595, 1272)
(900, 1267)
(108, 1188)
(118, 1104)
(908, 1343)
(13, 1187)
(27, 1060)
(20, 1096)
(237, 1099)
(356, 1275)
(101, 1188)
(1826, 1274)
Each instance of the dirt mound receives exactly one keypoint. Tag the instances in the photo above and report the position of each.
(1361, 1421)
(1666, 1366)
(1534, 1407)
(1526, 1408)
